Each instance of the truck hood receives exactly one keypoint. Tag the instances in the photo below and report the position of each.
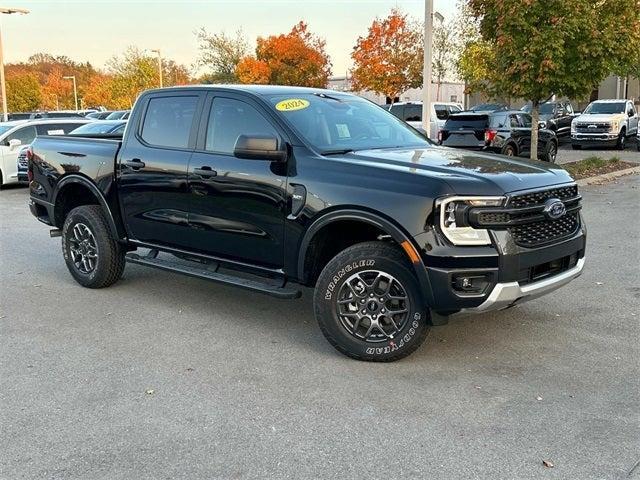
(466, 172)
(601, 117)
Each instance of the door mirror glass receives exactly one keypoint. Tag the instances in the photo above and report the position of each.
(260, 147)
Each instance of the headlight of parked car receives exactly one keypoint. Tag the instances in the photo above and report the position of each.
(614, 126)
(454, 223)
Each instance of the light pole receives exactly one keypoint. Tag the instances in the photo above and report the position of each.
(75, 90)
(426, 73)
(157, 50)
(3, 87)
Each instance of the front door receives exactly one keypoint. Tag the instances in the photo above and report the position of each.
(152, 168)
(237, 207)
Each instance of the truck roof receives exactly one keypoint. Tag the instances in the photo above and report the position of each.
(255, 89)
(611, 100)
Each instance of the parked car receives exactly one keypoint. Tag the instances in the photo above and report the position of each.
(638, 139)
(555, 116)
(100, 115)
(111, 128)
(15, 134)
(267, 187)
(411, 112)
(605, 123)
(508, 133)
(18, 116)
(118, 115)
(488, 108)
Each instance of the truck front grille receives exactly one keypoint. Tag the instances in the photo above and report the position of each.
(22, 160)
(525, 219)
(546, 231)
(592, 127)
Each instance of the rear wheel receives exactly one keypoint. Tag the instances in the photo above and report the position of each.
(551, 152)
(509, 150)
(368, 303)
(93, 256)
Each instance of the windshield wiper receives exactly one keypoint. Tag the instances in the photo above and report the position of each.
(324, 95)
(337, 152)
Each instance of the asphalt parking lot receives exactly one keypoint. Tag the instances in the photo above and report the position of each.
(164, 376)
(567, 154)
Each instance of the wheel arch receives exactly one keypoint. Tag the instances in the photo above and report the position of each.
(375, 220)
(74, 182)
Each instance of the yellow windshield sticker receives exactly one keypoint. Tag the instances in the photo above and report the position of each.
(291, 104)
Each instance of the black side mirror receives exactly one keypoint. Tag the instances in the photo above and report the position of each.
(260, 147)
(631, 114)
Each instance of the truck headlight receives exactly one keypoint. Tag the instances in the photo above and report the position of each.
(614, 126)
(453, 219)
(573, 127)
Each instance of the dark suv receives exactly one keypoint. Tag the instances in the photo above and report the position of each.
(508, 133)
(555, 116)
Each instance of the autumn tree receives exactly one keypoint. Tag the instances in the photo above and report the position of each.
(389, 59)
(295, 58)
(220, 54)
(23, 91)
(539, 48)
(444, 53)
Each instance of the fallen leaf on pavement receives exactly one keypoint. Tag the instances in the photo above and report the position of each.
(547, 463)
(538, 398)
(150, 391)
(599, 283)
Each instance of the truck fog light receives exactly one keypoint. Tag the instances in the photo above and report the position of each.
(470, 283)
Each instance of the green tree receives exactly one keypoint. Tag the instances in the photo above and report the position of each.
(220, 54)
(537, 48)
(23, 92)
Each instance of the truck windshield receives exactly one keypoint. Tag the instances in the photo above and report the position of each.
(605, 108)
(544, 108)
(341, 123)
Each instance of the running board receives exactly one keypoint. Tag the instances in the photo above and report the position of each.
(262, 286)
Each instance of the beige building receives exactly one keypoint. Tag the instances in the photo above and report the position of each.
(445, 92)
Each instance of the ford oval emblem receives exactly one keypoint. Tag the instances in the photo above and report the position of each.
(554, 208)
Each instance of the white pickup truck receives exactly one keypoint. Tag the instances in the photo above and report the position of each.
(603, 123)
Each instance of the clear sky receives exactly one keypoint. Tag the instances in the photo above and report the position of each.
(95, 30)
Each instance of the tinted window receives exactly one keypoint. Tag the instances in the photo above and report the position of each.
(467, 122)
(119, 130)
(57, 128)
(513, 121)
(453, 109)
(525, 120)
(498, 121)
(168, 120)
(94, 127)
(231, 118)
(441, 112)
(413, 113)
(397, 110)
(604, 108)
(24, 134)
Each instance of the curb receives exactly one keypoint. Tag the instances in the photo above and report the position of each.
(607, 176)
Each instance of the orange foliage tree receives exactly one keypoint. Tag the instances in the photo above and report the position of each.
(295, 58)
(389, 59)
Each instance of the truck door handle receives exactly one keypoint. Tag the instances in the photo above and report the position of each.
(205, 172)
(134, 163)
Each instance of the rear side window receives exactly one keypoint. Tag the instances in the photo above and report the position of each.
(498, 121)
(168, 120)
(525, 119)
(441, 112)
(413, 113)
(26, 135)
(57, 128)
(231, 118)
(397, 110)
(467, 122)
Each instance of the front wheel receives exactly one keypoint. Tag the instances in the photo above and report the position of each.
(93, 256)
(368, 303)
(622, 140)
(509, 151)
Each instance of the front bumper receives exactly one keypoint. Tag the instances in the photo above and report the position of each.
(587, 139)
(505, 295)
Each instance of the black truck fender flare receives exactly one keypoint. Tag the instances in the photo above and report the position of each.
(396, 233)
(79, 179)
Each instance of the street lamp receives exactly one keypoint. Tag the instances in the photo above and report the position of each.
(429, 14)
(75, 91)
(157, 50)
(3, 87)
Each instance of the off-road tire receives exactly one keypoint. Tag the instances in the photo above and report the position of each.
(110, 260)
(370, 258)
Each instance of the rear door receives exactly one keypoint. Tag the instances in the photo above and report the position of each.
(152, 168)
(238, 206)
(521, 131)
(25, 135)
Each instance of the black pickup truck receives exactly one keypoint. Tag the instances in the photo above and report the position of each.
(272, 188)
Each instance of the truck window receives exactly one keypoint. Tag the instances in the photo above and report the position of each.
(167, 122)
(397, 110)
(413, 113)
(441, 112)
(228, 119)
